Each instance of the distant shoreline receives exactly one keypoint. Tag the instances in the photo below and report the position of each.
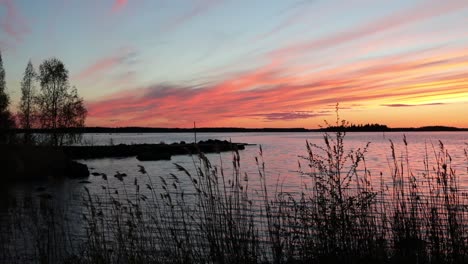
(244, 130)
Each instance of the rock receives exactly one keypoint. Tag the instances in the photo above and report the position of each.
(146, 152)
(77, 170)
(96, 174)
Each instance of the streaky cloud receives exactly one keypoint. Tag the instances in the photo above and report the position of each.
(418, 13)
(411, 105)
(198, 8)
(297, 12)
(13, 24)
(274, 93)
(119, 5)
(123, 56)
(286, 116)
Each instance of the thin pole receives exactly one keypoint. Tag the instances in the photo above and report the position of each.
(195, 131)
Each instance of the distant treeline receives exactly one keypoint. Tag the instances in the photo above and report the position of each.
(167, 130)
(353, 127)
(349, 128)
(384, 128)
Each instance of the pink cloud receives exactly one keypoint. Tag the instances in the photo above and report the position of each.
(200, 7)
(107, 64)
(98, 67)
(300, 12)
(13, 24)
(119, 5)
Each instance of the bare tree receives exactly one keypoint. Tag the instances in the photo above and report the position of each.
(59, 107)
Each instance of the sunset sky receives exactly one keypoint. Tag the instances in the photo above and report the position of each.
(249, 63)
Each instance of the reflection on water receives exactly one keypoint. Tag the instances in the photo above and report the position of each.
(281, 153)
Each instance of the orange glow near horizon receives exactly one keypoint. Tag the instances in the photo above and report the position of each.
(401, 89)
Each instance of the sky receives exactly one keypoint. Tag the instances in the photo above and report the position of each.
(248, 63)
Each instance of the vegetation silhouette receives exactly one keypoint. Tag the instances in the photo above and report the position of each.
(55, 108)
(27, 114)
(6, 118)
(59, 106)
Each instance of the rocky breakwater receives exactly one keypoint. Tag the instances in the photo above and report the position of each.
(146, 152)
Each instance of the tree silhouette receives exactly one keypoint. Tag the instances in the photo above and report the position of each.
(6, 119)
(4, 100)
(27, 109)
(59, 106)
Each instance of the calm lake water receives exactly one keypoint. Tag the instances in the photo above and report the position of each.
(282, 151)
(281, 154)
